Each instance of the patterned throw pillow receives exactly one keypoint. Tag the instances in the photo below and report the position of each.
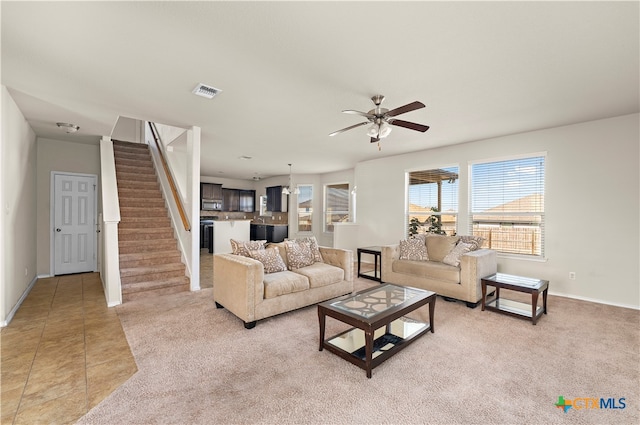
(299, 254)
(270, 258)
(413, 249)
(243, 247)
(453, 258)
(314, 248)
(476, 241)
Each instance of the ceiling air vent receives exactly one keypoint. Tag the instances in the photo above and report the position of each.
(206, 91)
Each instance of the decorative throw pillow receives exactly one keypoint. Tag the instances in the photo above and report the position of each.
(299, 254)
(413, 249)
(314, 248)
(476, 241)
(270, 258)
(438, 246)
(453, 258)
(243, 247)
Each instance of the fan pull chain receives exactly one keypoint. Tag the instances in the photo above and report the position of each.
(379, 147)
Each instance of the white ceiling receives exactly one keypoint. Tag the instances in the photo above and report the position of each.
(287, 69)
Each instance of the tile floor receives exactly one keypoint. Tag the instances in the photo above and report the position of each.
(63, 352)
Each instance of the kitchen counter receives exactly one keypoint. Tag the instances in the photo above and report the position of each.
(222, 231)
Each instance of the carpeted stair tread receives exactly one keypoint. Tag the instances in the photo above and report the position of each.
(136, 184)
(154, 284)
(136, 162)
(136, 177)
(133, 212)
(147, 273)
(143, 221)
(134, 169)
(142, 260)
(135, 256)
(144, 234)
(128, 192)
(167, 287)
(134, 202)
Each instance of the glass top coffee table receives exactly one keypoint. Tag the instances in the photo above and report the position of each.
(380, 329)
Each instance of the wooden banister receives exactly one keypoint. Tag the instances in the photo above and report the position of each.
(172, 184)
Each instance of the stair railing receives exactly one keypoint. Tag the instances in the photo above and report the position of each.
(172, 184)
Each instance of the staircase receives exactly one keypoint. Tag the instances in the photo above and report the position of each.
(150, 262)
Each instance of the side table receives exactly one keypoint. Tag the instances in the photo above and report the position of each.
(520, 284)
(376, 274)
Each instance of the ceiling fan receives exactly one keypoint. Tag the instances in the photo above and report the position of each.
(381, 119)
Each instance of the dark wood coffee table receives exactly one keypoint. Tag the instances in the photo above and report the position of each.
(380, 329)
(520, 284)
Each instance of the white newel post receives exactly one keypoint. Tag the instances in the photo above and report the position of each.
(111, 218)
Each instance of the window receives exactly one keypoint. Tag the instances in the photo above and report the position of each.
(432, 205)
(305, 207)
(507, 205)
(336, 204)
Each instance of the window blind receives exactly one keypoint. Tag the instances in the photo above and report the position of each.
(507, 204)
(336, 205)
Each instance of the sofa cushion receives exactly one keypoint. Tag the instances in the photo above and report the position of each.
(299, 254)
(322, 274)
(284, 282)
(413, 249)
(453, 258)
(243, 247)
(270, 259)
(429, 269)
(439, 246)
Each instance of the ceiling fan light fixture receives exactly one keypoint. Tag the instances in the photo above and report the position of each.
(373, 131)
(285, 190)
(385, 130)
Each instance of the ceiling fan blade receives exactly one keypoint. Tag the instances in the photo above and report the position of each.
(349, 128)
(374, 139)
(364, 114)
(404, 109)
(409, 125)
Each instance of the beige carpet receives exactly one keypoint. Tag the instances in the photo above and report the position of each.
(199, 365)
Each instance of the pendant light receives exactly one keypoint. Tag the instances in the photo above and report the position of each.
(286, 190)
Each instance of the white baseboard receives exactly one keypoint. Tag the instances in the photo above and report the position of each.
(592, 300)
(15, 308)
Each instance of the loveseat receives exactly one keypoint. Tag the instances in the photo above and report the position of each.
(450, 266)
(257, 283)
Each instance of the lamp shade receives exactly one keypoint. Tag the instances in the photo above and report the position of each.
(373, 131)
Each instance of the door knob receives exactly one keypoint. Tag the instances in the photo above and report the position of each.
(58, 229)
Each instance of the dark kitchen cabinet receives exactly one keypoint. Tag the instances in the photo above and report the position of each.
(274, 198)
(276, 201)
(211, 191)
(230, 200)
(268, 232)
(247, 200)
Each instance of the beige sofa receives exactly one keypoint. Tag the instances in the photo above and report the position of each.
(241, 285)
(459, 282)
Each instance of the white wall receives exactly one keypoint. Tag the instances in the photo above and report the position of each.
(59, 155)
(19, 206)
(592, 203)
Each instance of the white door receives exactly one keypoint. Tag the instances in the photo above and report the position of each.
(74, 224)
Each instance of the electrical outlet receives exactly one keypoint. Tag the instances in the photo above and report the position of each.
(26, 271)
(572, 275)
